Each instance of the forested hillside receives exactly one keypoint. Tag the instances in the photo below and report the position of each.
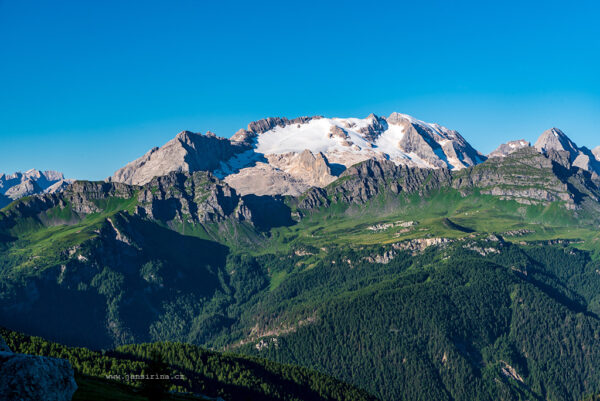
(191, 370)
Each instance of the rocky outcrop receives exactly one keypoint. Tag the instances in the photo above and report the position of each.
(436, 145)
(264, 179)
(555, 139)
(374, 128)
(187, 152)
(507, 148)
(246, 136)
(596, 152)
(58, 186)
(313, 169)
(24, 188)
(365, 180)
(197, 197)
(283, 174)
(560, 147)
(525, 176)
(83, 196)
(28, 377)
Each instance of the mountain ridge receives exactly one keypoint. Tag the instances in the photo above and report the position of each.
(267, 149)
(32, 182)
(280, 156)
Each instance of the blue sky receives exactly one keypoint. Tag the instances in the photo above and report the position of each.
(87, 86)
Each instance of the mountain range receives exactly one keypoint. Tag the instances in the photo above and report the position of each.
(31, 182)
(385, 252)
(277, 156)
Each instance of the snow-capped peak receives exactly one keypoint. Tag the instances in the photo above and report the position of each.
(269, 148)
(400, 138)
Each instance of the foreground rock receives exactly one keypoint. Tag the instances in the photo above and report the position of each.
(28, 377)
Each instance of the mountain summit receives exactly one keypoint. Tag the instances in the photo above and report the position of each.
(507, 148)
(280, 156)
(31, 182)
(556, 141)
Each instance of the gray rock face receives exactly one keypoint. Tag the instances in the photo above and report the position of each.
(187, 152)
(25, 188)
(283, 174)
(596, 152)
(507, 148)
(278, 156)
(437, 145)
(555, 139)
(375, 127)
(364, 181)
(197, 197)
(264, 179)
(555, 142)
(246, 136)
(18, 185)
(32, 378)
(525, 176)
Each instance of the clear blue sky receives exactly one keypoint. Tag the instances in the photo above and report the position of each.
(86, 86)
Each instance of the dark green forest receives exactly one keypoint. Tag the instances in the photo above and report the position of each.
(191, 370)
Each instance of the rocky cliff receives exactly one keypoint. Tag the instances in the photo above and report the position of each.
(554, 140)
(525, 176)
(507, 148)
(596, 152)
(277, 156)
(187, 152)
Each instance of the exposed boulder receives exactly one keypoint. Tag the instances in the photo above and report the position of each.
(34, 378)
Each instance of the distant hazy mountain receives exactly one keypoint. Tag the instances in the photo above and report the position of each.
(281, 156)
(31, 182)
